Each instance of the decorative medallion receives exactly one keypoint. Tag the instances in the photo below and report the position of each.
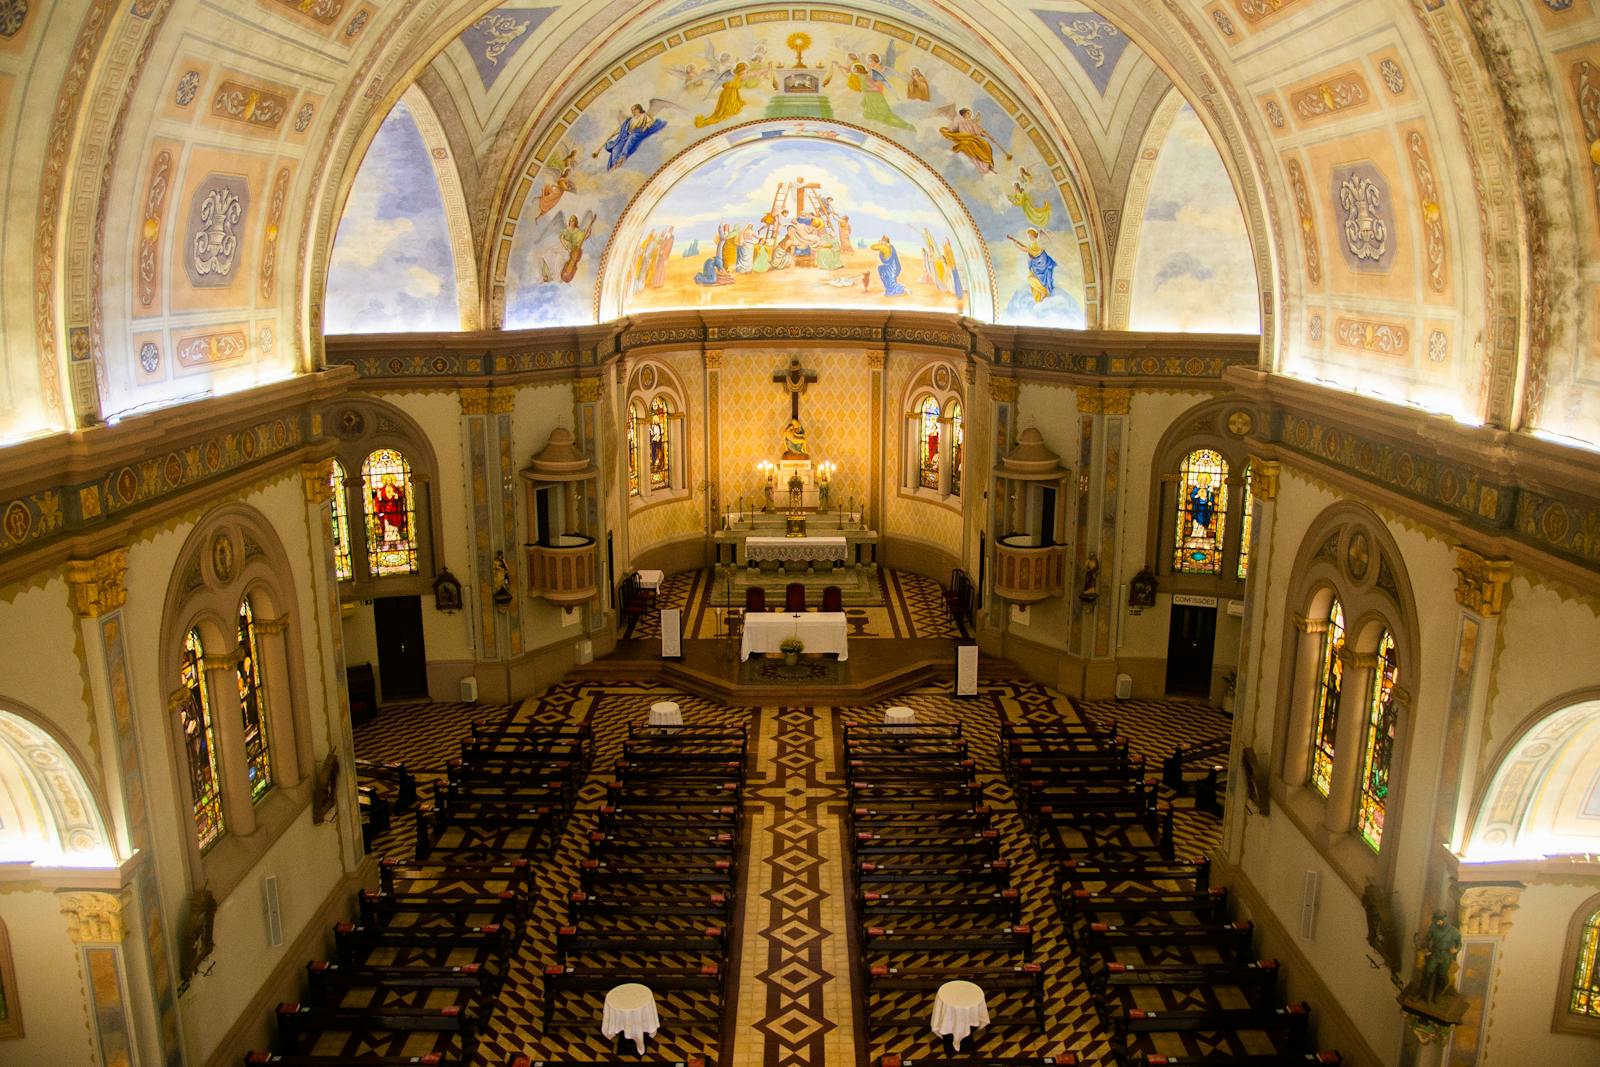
(1240, 423)
(352, 423)
(1586, 93)
(1432, 213)
(269, 239)
(256, 107)
(1383, 338)
(265, 340)
(13, 13)
(1275, 115)
(1314, 329)
(1438, 346)
(188, 88)
(149, 357)
(1358, 556)
(1339, 93)
(1224, 23)
(647, 377)
(941, 377)
(222, 557)
(302, 118)
(215, 219)
(1394, 78)
(18, 521)
(173, 470)
(155, 199)
(325, 12)
(207, 348)
(1361, 194)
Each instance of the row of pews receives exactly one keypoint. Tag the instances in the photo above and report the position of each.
(932, 893)
(655, 895)
(1174, 981)
(414, 977)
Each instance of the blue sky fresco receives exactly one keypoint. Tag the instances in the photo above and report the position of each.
(1194, 271)
(392, 267)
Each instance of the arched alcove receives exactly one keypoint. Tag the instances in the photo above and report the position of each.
(1543, 798)
(49, 816)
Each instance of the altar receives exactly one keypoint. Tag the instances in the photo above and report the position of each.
(819, 631)
(809, 550)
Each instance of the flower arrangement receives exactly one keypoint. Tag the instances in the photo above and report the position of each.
(792, 646)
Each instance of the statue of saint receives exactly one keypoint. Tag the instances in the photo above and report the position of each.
(1440, 944)
(794, 440)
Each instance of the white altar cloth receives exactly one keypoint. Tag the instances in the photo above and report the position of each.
(820, 631)
(796, 548)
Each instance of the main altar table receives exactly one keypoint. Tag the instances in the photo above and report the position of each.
(809, 549)
(820, 631)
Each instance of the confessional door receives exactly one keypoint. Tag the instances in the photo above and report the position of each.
(1191, 642)
(402, 659)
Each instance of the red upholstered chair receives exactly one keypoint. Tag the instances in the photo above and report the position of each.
(755, 599)
(832, 598)
(794, 597)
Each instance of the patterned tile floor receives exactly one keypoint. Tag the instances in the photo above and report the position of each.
(792, 999)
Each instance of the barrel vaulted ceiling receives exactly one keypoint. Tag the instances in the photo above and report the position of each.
(1417, 181)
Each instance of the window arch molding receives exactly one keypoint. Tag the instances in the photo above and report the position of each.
(649, 384)
(1220, 426)
(1566, 1020)
(233, 553)
(1347, 555)
(360, 428)
(941, 382)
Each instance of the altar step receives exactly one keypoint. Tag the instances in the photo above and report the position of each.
(860, 587)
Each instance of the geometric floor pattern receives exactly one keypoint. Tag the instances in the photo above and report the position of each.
(791, 1001)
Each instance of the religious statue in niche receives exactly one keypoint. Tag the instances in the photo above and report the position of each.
(1430, 997)
(502, 580)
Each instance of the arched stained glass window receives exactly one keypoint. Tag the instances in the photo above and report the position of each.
(958, 435)
(253, 705)
(928, 443)
(342, 567)
(1378, 748)
(1586, 976)
(391, 514)
(200, 744)
(1325, 723)
(635, 417)
(660, 444)
(1202, 506)
(1246, 525)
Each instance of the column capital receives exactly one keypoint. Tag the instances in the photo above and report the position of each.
(502, 400)
(1481, 582)
(316, 480)
(227, 661)
(1310, 626)
(1264, 477)
(98, 584)
(588, 390)
(875, 360)
(93, 918)
(1358, 661)
(474, 401)
(1101, 401)
(1002, 390)
(1485, 911)
(713, 358)
(272, 626)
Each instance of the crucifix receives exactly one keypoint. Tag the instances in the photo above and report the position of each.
(795, 379)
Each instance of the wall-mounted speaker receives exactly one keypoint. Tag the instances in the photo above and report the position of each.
(1308, 906)
(271, 909)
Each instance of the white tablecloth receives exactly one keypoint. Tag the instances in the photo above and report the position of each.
(791, 548)
(631, 1012)
(821, 631)
(899, 716)
(650, 579)
(665, 713)
(959, 1009)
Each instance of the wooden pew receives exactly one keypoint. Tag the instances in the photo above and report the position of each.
(882, 845)
(1066, 1059)
(1225, 1059)
(301, 1027)
(524, 1061)
(972, 819)
(1083, 907)
(897, 939)
(602, 906)
(486, 829)
(1233, 938)
(991, 875)
(1193, 874)
(562, 980)
(1024, 981)
(1185, 755)
(709, 941)
(397, 782)
(1257, 978)
(874, 906)
(326, 979)
(1293, 1021)
(882, 730)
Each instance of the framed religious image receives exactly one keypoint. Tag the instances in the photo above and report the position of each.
(10, 1005)
(1142, 590)
(446, 591)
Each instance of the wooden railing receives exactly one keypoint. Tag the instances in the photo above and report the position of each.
(1026, 572)
(563, 571)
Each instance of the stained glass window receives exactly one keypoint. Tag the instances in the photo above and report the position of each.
(1246, 525)
(635, 417)
(253, 705)
(660, 444)
(391, 514)
(957, 437)
(1586, 977)
(341, 525)
(1325, 726)
(1378, 748)
(1202, 506)
(200, 744)
(928, 443)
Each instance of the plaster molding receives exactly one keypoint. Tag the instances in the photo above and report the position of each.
(1264, 477)
(316, 481)
(98, 584)
(94, 918)
(1486, 911)
(589, 390)
(1481, 582)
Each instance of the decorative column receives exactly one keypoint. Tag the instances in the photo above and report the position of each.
(227, 719)
(1485, 919)
(480, 485)
(586, 394)
(880, 478)
(1355, 695)
(98, 596)
(97, 926)
(1308, 657)
(1003, 403)
(315, 480)
(289, 765)
(1102, 417)
(712, 459)
(1264, 475)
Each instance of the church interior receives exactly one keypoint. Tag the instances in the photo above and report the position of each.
(875, 532)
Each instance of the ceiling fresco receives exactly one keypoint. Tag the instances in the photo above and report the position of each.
(941, 109)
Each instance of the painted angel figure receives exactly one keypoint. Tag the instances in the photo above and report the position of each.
(572, 238)
(551, 193)
(633, 128)
(968, 138)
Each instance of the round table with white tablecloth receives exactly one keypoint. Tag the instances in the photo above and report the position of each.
(959, 1009)
(630, 1011)
(900, 716)
(665, 713)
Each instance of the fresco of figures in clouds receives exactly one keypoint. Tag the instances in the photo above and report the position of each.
(392, 269)
(800, 221)
(1194, 271)
(812, 71)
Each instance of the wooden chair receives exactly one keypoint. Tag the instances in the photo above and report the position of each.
(755, 599)
(794, 597)
(832, 598)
